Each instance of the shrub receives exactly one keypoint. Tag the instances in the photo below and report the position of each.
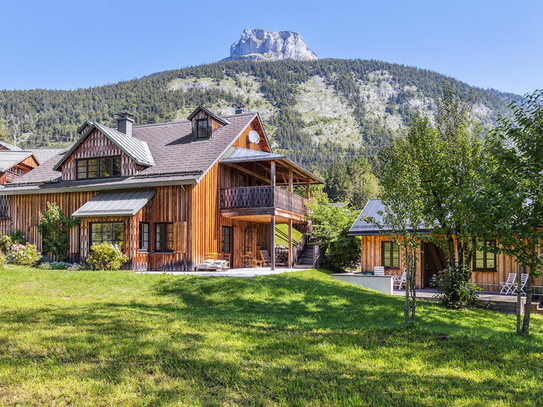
(23, 255)
(55, 265)
(454, 288)
(3, 260)
(5, 243)
(77, 267)
(15, 236)
(106, 256)
(53, 227)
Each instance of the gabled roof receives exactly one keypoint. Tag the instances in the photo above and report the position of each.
(10, 158)
(179, 159)
(9, 146)
(45, 154)
(134, 148)
(374, 209)
(119, 203)
(210, 113)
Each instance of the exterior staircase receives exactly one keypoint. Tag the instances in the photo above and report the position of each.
(310, 256)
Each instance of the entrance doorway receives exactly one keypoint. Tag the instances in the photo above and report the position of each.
(433, 262)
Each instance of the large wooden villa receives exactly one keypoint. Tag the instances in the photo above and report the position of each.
(168, 193)
(378, 249)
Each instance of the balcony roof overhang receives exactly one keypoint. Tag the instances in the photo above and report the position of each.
(237, 155)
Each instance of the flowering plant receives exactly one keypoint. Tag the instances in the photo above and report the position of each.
(106, 256)
(23, 255)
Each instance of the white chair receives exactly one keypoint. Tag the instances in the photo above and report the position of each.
(507, 287)
(400, 281)
(379, 271)
(523, 281)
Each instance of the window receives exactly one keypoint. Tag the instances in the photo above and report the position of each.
(242, 180)
(104, 167)
(484, 260)
(390, 255)
(108, 232)
(164, 237)
(202, 129)
(226, 239)
(143, 238)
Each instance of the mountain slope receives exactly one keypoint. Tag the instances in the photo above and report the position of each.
(316, 111)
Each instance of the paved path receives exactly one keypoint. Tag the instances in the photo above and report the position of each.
(244, 272)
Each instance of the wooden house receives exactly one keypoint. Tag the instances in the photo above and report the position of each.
(378, 249)
(168, 193)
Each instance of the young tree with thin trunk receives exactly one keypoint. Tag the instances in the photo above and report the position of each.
(508, 198)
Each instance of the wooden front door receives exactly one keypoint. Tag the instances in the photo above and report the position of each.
(434, 262)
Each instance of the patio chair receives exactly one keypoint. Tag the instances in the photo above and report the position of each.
(523, 281)
(507, 287)
(400, 280)
(265, 259)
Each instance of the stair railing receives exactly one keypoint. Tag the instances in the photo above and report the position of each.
(300, 248)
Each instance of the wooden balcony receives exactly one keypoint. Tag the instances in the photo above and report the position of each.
(257, 203)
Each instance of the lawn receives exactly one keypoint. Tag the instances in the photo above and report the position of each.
(118, 338)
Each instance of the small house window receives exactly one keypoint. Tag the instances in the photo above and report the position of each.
(242, 180)
(390, 255)
(104, 167)
(107, 232)
(164, 237)
(202, 129)
(226, 239)
(485, 260)
(143, 238)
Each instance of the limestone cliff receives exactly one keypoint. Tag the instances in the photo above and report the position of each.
(262, 45)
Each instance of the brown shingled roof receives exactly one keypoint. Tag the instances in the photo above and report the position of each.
(178, 158)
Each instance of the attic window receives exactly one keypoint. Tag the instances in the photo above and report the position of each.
(202, 129)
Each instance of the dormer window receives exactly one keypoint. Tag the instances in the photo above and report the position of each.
(202, 129)
(103, 167)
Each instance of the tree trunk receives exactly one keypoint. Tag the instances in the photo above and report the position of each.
(407, 289)
(528, 308)
(452, 258)
(414, 289)
(460, 250)
(519, 302)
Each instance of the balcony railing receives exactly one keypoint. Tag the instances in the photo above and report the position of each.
(263, 197)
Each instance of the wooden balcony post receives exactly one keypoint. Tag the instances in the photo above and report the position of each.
(272, 245)
(307, 189)
(290, 180)
(290, 260)
(272, 173)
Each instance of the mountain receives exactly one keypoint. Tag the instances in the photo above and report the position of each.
(262, 45)
(315, 111)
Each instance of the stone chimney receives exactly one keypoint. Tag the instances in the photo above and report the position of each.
(124, 123)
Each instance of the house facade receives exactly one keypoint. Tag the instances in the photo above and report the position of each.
(168, 193)
(379, 249)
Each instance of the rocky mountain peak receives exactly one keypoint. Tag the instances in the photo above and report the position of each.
(262, 45)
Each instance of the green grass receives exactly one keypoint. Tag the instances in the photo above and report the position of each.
(279, 241)
(117, 338)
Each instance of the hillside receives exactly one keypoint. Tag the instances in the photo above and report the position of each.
(316, 111)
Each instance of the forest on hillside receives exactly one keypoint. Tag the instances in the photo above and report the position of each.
(49, 118)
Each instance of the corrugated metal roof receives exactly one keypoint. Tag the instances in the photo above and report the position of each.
(136, 149)
(372, 210)
(44, 154)
(120, 203)
(10, 158)
(239, 155)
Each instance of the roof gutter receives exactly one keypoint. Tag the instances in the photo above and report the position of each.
(98, 187)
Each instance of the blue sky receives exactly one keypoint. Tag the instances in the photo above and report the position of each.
(78, 44)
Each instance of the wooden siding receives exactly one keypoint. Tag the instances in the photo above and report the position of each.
(97, 145)
(487, 280)
(26, 166)
(168, 205)
(243, 140)
(215, 125)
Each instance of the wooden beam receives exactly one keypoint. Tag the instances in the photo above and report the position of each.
(290, 180)
(290, 243)
(254, 174)
(307, 193)
(272, 244)
(272, 175)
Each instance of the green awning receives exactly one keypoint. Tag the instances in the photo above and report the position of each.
(119, 203)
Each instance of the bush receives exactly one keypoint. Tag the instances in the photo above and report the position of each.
(106, 256)
(15, 236)
(454, 288)
(77, 267)
(55, 265)
(23, 255)
(3, 260)
(5, 243)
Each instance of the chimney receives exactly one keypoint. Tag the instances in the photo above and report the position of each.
(239, 107)
(124, 123)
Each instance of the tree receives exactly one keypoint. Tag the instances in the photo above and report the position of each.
(400, 180)
(53, 227)
(331, 227)
(508, 199)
